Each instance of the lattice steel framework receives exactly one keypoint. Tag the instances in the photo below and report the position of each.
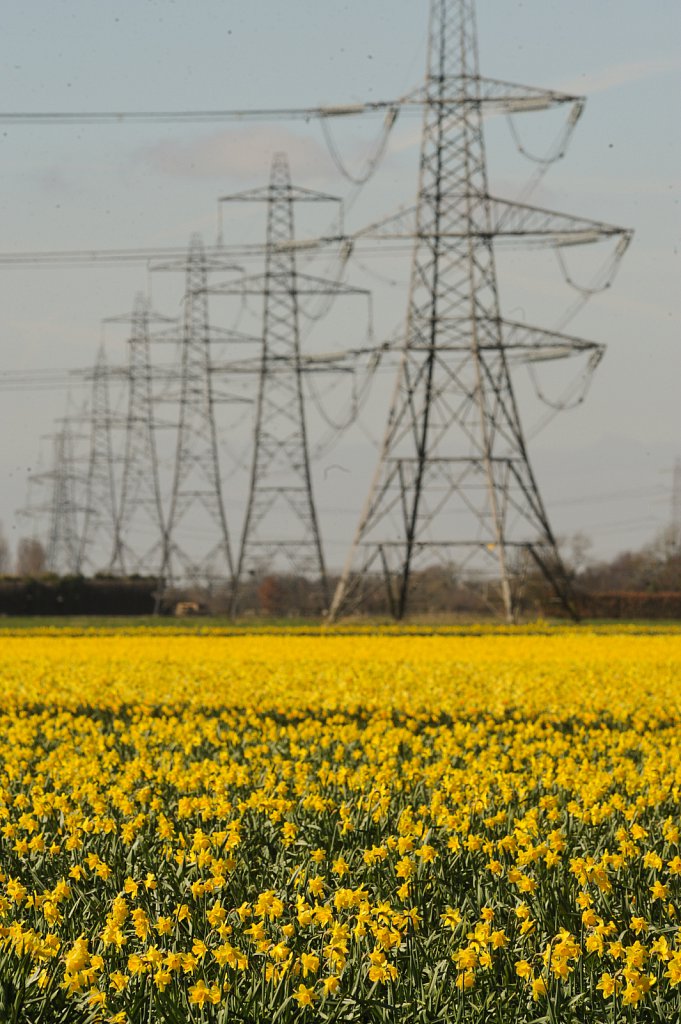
(100, 508)
(676, 504)
(197, 507)
(139, 526)
(63, 548)
(454, 481)
(281, 529)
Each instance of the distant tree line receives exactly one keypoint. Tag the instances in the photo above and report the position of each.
(76, 595)
(644, 584)
(634, 584)
(30, 557)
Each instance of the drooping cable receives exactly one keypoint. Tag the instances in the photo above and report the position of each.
(373, 160)
(559, 146)
(604, 276)
(556, 151)
(573, 395)
(601, 280)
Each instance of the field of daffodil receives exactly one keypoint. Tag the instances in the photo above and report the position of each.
(364, 828)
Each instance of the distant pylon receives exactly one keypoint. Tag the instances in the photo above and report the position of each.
(197, 508)
(139, 527)
(63, 548)
(454, 481)
(281, 530)
(99, 516)
(676, 504)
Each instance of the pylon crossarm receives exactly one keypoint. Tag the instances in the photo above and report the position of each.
(499, 219)
(306, 284)
(522, 344)
(508, 219)
(295, 193)
(218, 261)
(492, 94)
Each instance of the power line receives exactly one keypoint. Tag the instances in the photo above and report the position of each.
(109, 117)
(493, 94)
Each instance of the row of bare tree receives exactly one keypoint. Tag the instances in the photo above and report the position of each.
(440, 590)
(30, 558)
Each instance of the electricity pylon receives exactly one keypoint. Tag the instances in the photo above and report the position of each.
(63, 549)
(99, 517)
(197, 505)
(281, 529)
(139, 507)
(454, 479)
(675, 524)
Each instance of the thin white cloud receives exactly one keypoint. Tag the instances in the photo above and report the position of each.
(241, 153)
(408, 140)
(620, 74)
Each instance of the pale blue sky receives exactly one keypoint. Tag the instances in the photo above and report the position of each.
(125, 185)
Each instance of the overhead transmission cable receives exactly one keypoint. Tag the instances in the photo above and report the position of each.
(556, 151)
(70, 117)
(577, 390)
(373, 160)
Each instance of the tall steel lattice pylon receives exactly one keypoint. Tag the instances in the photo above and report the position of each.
(63, 548)
(281, 530)
(454, 480)
(139, 526)
(99, 516)
(675, 525)
(197, 486)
